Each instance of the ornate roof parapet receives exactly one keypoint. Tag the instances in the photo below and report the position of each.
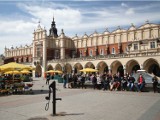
(75, 37)
(94, 34)
(118, 30)
(12, 47)
(106, 31)
(147, 21)
(39, 28)
(62, 35)
(85, 35)
(132, 27)
(147, 25)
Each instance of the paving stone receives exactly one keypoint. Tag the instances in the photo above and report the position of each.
(81, 104)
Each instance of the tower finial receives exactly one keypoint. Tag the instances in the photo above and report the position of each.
(53, 17)
(62, 31)
(53, 29)
(132, 24)
(119, 27)
(147, 21)
(39, 26)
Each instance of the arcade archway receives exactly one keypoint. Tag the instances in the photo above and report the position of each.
(58, 67)
(49, 67)
(151, 66)
(89, 65)
(132, 66)
(102, 67)
(117, 67)
(77, 67)
(68, 68)
(38, 71)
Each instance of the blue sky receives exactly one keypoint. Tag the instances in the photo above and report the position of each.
(19, 19)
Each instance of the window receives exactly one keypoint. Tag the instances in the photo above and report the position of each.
(152, 45)
(56, 54)
(101, 52)
(81, 54)
(135, 46)
(39, 52)
(90, 53)
(113, 51)
(126, 49)
(73, 54)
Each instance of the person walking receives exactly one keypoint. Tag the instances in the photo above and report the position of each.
(64, 76)
(74, 79)
(94, 81)
(155, 83)
(47, 79)
(83, 81)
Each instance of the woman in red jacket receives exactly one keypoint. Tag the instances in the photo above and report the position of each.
(140, 83)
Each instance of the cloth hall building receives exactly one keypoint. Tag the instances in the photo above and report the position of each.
(122, 50)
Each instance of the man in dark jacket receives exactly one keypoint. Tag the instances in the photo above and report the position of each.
(94, 81)
(47, 78)
(155, 83)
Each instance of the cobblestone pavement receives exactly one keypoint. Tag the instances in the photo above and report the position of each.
(81, 104)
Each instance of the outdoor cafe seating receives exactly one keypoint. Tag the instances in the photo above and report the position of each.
(14, 79)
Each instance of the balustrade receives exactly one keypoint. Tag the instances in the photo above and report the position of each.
(152, 52)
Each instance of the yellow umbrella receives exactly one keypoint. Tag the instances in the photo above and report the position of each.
(58, 71)
(54, 71)
(29, 68)
(88, 70)
(12, 65)
(25, 72)
(50, 71)
(13, 72)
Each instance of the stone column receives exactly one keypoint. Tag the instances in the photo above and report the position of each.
(33, 56)
(62, 45)
(44, 64)
(141, 67)
(62, 52)
(124, 68)
(73, 70)
(109, 69)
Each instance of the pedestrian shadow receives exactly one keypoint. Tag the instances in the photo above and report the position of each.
(35, 92)
(68, 114)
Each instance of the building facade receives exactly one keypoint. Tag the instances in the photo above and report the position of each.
(121, 50)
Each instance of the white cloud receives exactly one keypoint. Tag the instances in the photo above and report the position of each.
(64, 18)
(124, 5)
(130, 11)
(72, 20)
(16, 26)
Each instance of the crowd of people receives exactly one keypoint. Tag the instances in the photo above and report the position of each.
(104, 81)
